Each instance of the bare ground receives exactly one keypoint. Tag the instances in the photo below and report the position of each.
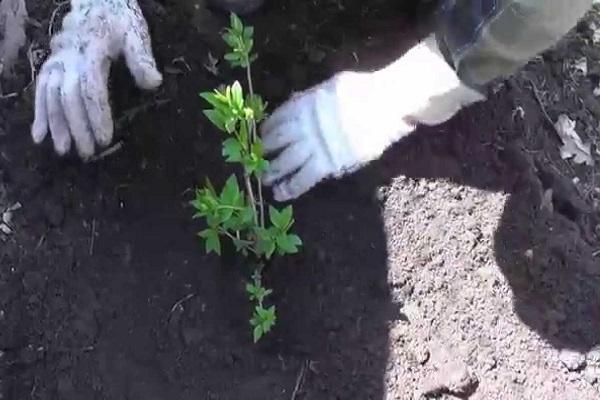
(464, 263)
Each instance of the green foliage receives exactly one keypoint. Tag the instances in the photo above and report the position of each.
(263, 319)
(240, 40)
(234, 213)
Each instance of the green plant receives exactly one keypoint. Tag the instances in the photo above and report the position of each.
(236, 214)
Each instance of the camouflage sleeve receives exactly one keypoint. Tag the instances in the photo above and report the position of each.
(485, 39)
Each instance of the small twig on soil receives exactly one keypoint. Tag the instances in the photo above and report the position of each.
(180, 302)
(34, 388)
(130, 114)
(93, 236)
(596, 253)
(40, 242)
(540, 103)
(299, 380)
(108, 152)
(182, 60)
(8, 96)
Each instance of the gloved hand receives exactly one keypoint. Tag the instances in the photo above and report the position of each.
(71, 97)
(340, 125)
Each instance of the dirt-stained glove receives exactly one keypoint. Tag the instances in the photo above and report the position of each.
(71, 98)
(340, 125)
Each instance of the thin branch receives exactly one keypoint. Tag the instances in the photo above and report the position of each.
(180, 302)
(8, 96)
(93, 237)
(108, 152)
(251, 194)
(299, 381)
(540, 103)
(254, 135)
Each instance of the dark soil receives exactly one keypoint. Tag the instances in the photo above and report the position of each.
(106, 293)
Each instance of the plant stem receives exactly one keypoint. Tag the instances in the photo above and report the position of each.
(249, 78)
(251, 194)
(230, 236)
(262, 204)
(254, 136)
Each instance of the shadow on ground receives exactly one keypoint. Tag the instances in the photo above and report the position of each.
(105, 290)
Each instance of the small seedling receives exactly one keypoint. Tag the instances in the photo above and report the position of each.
(240, 214)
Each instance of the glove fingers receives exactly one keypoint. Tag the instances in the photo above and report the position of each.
(57, 121)
(77, 119)
(94, 92)
(139, 58)
(307, 177)
(279, 136)
(290, 160)
(39, 129)
(286, 113)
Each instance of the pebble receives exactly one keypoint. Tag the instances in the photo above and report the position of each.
(592, 375)
(422, 355)
(593, 356)
(454, 378)
(573, 360)
(5, 229)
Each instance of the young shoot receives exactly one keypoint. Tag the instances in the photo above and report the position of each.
(238, 213)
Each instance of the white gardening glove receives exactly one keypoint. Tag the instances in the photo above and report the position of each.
(340, 125)
(71, 97)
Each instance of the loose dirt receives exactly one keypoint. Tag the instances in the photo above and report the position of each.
(463, 263)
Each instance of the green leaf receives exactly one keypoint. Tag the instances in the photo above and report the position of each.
(210, 188)
(251, 289)
(230, 220)
(217, 118)
(197, 204)
(236, 23)
(248, 32)
(230, 38)
(247, 215)
(232, 57)
(213, 220)
(230, 195)
(266, 242)
(232, 150)
(237, 96)
(257, 333)
(287, 215)
(274, 216)
(288, 244)
(261, 167)
(212, 241)
(281, 219)
(267, 317)
(215, 99)
(258, 106)
(257, 292)
(224, 216)
(241, 246)
(204, 203)
(255, 165)
(230, 125)
(257, 149)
